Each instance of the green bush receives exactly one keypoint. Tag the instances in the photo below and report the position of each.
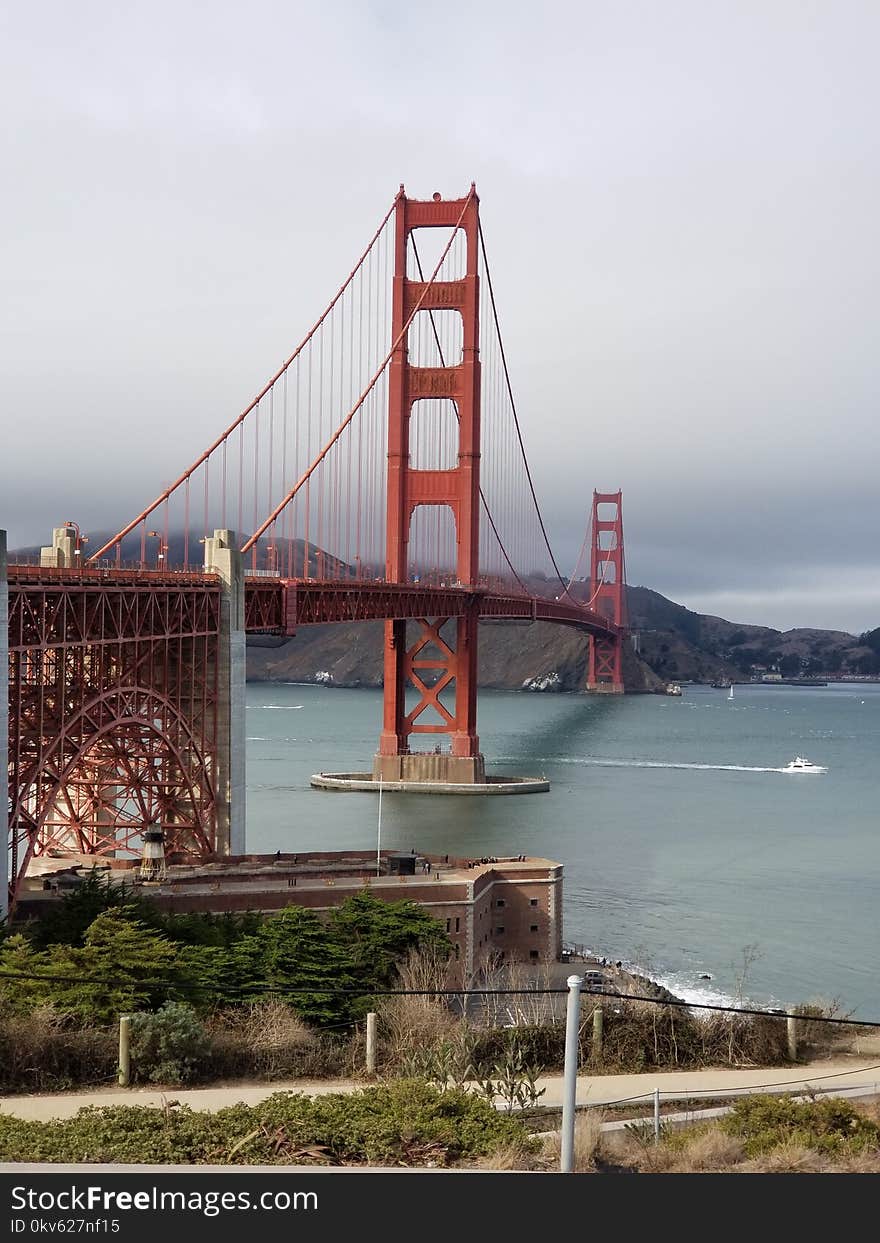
(829, 1126)
(402, 1123)
(170, 1046)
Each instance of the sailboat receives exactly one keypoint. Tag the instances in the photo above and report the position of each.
(730, 696)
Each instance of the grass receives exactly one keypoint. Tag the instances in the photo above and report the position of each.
(762, 1134)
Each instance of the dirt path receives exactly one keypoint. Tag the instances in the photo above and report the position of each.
(592, 1089)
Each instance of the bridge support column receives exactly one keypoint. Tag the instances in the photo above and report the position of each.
(607, 593)
(223, 558)
(462, 764)
(436, 661)
(4, 727)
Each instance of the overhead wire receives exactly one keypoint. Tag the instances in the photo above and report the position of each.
(338, 991)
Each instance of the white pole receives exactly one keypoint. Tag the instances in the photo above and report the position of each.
(791, 1032)
(379, 830)
(124, 1074)
(569, 1081)
(656, 1115)
(371, 1043)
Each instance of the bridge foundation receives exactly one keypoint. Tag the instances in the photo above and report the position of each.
(223, 558)
(4, 726)
(368, 783)
(427, 766)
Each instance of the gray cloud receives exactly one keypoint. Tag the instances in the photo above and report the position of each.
(680, 202)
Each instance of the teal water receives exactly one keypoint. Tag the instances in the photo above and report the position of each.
(681, 844)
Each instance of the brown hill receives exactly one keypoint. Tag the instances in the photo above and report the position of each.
(674, 643)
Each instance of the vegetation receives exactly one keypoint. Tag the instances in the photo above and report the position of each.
(826, 1126)
(401, 1123)
(168, 1046)
(762, 1134)
(412, 1123)
(131, 957)
(283, 996)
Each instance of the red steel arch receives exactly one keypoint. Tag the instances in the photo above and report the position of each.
(143, 764)
(113, 689)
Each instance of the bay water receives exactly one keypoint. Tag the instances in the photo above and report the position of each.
(687, 852)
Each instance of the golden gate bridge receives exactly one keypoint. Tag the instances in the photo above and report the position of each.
(381, 473)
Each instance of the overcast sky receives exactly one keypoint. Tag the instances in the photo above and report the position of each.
(681, 205)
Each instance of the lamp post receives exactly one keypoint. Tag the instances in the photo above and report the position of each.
(162, 549)
(79, 540)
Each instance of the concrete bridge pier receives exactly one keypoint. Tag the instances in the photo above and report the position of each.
(62, 552)
(223, 558)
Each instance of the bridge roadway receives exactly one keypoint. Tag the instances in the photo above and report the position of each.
(53, 607)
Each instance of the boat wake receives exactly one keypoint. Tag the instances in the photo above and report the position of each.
(598, 762)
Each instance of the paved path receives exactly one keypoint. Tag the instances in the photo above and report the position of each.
(592, 1089)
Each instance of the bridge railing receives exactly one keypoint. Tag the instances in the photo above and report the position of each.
(17, 571)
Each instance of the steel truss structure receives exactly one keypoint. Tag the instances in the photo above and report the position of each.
(113, 690)
(279, 606)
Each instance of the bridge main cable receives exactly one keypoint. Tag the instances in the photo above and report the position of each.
(509, 386)
(163, 496)
(304, 478)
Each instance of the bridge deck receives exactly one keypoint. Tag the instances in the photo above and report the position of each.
(280, 606)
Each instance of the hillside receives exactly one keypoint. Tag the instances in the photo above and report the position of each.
(674, 644)
(678, 643)
(510, 656)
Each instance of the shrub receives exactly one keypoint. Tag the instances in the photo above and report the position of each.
(268, 1040)
(827, 1126)
(43, 1052)
(404, 1123)
(169, 1046)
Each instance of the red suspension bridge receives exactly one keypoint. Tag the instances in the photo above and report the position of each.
(381, 474)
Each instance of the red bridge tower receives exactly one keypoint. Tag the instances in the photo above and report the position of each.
(607, 592)
(434, 662)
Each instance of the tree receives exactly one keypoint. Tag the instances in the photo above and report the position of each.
(66, 922)
(133, 968)
(377, 934)
(121, 966)
(295, 957)
(19, 963)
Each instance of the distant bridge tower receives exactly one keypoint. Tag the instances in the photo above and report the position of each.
(607, 592)
(434, 662)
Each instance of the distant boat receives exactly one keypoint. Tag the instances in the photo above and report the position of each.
(802, 765)
(730, 696)
(673, 688)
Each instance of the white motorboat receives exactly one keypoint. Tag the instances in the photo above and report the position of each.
(802, 765)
